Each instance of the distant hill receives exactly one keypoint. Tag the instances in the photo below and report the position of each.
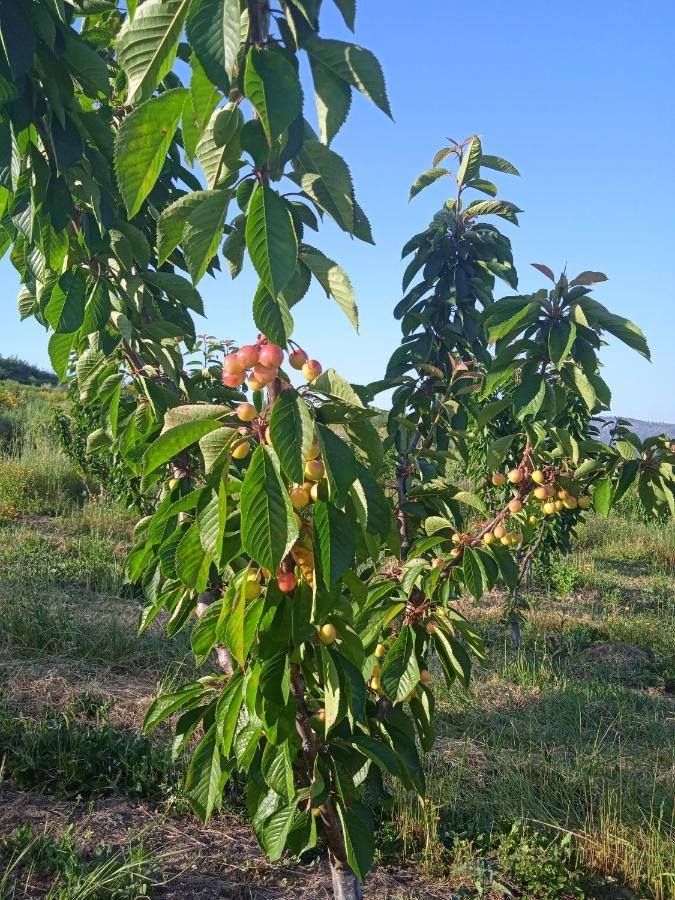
(14, 369)
(642, 429)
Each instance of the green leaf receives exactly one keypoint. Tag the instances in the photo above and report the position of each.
(331, 683)
(469, 168)
(498, 450)
(335, 537)
(324, 176)
(219, 148)
(215, 445)
(177, 287)
(65, 310)
(584, 387)
(400, 672)
(498, 164)
(602, 496)
(272, 316)
(354, 65)
(174, 440)
(501, 208)
(474, 576)
(333, 98)
(348, 10)
(273, 87)
(276, 831)
(192, 563)
(147, 44)
(203, 785)
(171, 222)
(359, 830)
(59, 349)
(268, 526)
(142, 144)
(167, 704)
(333, 279)
(560, 339)
(214, 31)
(233, 628)
(203, 232)
(425, 179)
(292, 432)
(270, 238)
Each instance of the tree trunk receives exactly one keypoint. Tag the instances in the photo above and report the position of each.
(515, 629)
(346, 886)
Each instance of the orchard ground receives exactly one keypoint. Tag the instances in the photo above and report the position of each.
(553, 775)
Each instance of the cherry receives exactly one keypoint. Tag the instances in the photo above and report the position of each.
(233, 381)
(312, 369)
(246, 412)
(247, 356)
(231, 365)
(297, 359)
(287, 582)
(270, 355)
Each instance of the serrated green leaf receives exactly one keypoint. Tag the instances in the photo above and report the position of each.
(147, 44)
(65, 310)
(561, 336)
(142, 144)
(333, 279)
(214, 31)
(292, 432)
(474, 575)
(268, 526)
(203, 232)
(425, 179)
(400, 672)
(174, 440)
(203, 784)
(354, 65)
(270, 238)
(335, 540)
(271, 315)
(273, 87)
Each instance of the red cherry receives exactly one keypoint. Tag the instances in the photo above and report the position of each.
(271, 356)
(297, 359)
(263, 375)
(287, 582)
(233, 381)
(231, 365)
(248, 356)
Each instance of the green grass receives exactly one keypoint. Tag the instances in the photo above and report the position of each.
(552, 777)
(62, 873)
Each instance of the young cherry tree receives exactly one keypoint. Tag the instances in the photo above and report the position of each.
(137, 143)
(513, 382)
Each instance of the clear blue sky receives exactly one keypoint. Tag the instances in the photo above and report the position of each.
(577, 95)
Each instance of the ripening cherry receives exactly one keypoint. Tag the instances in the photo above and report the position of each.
(264, 375)
(173, 483)
(515, 505)
(314, 450)
(548, 508)
(498, 478)
(380, 651)
(254, 384)
(540, 493)
(327, 633)
(437, 563)
(426, 677)
(299, 497)
(247, 356)
(431, 628)
(488, 538)
(253, 587)
(271, 356)
(499, 531)
(455, 552)
(533, 520)
(515, 476)
(558, 505)
(321, 715)
(312, 369)
(241, 451)
(314, 470)
(537, 476)
(297, 359)
(318, 490)
(231, 365)
(287, 582)
(570, 502)
(584, 501)
(246, 412)
(233, 381)
(375, 684)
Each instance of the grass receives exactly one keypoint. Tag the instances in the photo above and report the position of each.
(553, 776)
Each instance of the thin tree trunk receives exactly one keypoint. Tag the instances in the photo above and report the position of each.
(346, 886)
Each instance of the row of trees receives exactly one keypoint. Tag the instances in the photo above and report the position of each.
(139, 145)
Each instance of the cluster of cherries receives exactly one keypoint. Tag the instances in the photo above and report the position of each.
(258, 365)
